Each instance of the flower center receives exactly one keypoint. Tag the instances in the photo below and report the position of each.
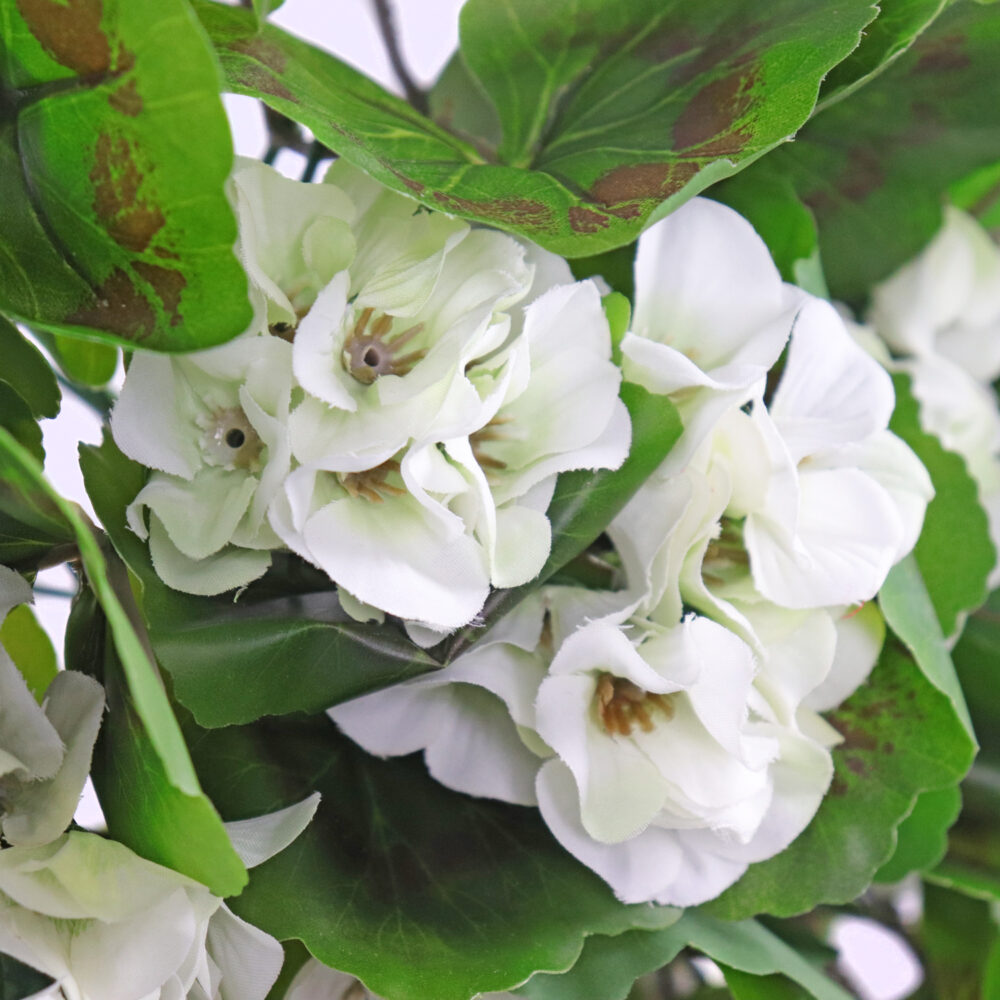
(370, 351)
(231, 441)
(371, 483)
(621, 704)
(478, 441)
(726, 554)
(282, 330)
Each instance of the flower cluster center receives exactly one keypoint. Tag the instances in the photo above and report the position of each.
(371, 483)
(621, 704)
(370, 351)
(231, 441)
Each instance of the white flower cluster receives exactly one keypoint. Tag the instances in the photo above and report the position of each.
(668, 729)
(397, 414)
(941, 315)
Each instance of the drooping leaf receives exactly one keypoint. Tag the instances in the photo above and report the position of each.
(611, 114)
(88, 362)
(284, 646)
(18, 981)
(954, 551)
(30, 647)
(114, 149)
(901, 737)
(423, 893)
(16, 417)
(22, 474)
(25, 369)
(874, 168)
(898, 24)
(585, 502)
(143, 809)
(922, 838)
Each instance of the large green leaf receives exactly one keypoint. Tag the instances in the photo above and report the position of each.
(608, 966)
(901, 736)
(27, 372)
(423, 893)
(284, 646)
(874, 168)
(114, 149)
(922, 838)
(143, 809)
(585, 502)
(15, 416)
(954, 551)
(21, 473)
(610, 112)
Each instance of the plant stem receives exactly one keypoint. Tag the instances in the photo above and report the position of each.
(387, 28)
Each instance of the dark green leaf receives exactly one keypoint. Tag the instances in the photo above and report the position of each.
(954, 551)
(15, 416)
(30, 647)
(745, 986)
(21, 473)
(144, 810)
(284, 646)
(423, 893)
(976, 658)
(585, 502)
(957, 936)
(922, 838)
(114, 149)
(18, 981)
(27, 371)
(874, 168)
(894, 30)
(611, 114)
(901, 737)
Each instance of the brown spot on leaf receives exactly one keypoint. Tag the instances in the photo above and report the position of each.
(260, 79)
(641, 182)
(118, 307)
(855, 738)
(70, 32)
(126, 100)
(888, 748)
(584, 220)
(715, 109)
(839, 786)
(944, 55)
(519, 212)
(727, 145)
(130, 220)
(262, 51)
(863, 174)
(858, 766)
(168, 285)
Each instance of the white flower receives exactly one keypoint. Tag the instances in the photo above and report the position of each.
(673, 771)
(711, 315)
(213, 426)
(946, 302)
(45, 750)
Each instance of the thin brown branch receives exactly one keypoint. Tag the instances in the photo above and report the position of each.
(386, 20)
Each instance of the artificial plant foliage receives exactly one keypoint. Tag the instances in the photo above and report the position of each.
(901, 737)
(27, 372)
(114, 229)
(18, 981)
(922, 838)
(608, 114)
(143, 809)
(954, 551)
(872, 169)
(423, 893)
(31, 649)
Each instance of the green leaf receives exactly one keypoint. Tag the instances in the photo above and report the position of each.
(745, 986)
(873, 169)
(979, 193)
(585, 502)
(922, 838)
(86, 361)
(894, 30)
(15, 416)
(909, 613)
(114, 149)
(901, 737)
(423, 893)
(30, 647)
(976, 657)
(18, 467)
(459, 104)
(954, 551)
(957, 937)
(18, 981)
(608, 966)
(143, 809)
(284, 646)
(27, 372)
(264, 8)
(612, 115)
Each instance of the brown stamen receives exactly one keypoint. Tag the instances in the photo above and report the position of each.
(490, 432)
(371, 483)
(370, 353)
(620, 703)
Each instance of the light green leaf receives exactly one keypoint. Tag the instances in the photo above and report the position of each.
(86, 361)
(114, 149)
(30, 647)
(611, 115)
(901, 737)
(423, 893)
